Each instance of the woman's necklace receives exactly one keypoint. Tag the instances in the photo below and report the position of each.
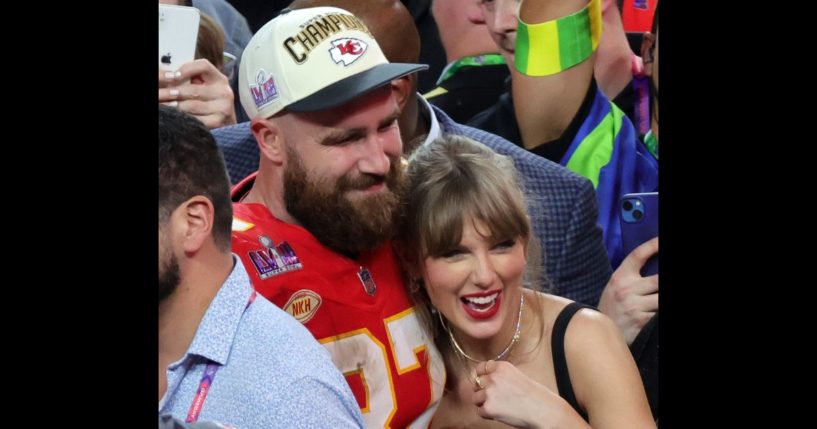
(504, 352)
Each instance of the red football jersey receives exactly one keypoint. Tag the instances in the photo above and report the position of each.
(358, 309)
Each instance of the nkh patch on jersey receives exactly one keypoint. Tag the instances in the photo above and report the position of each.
(303, 304)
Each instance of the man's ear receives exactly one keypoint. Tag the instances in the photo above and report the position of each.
(647, 51)
(195, 223)
(270, 139)
(402, 87)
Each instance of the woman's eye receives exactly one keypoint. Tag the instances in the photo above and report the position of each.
(451, 253)
(507, 244)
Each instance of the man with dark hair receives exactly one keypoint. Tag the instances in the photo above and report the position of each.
(226, 354)
(180, 142)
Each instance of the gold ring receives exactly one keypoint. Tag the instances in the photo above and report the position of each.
(479, 383)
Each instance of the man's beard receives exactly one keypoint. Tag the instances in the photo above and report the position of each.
(169, 277)
(348, 227)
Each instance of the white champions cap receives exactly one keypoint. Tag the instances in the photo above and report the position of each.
(312, 59)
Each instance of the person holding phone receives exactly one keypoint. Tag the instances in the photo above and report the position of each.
(198, 86)
(630, 298)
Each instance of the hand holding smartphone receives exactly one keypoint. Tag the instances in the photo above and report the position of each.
(178, 33)
(639, 223)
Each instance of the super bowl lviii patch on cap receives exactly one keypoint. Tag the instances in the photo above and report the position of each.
(312, 59)
(263, 91)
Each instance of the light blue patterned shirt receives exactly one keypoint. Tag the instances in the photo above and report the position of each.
(271, 372)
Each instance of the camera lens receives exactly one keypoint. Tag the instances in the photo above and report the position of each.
(627, 205)
(637, 214)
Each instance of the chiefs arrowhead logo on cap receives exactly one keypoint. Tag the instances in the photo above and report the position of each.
(347, 50)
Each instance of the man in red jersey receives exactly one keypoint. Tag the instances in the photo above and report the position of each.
(312, 226)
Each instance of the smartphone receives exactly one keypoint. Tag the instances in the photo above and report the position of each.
(178, 32)
(639, 223)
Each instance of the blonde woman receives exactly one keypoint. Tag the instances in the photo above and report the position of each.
(513, 356)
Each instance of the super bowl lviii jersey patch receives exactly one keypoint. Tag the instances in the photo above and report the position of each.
(271, 259)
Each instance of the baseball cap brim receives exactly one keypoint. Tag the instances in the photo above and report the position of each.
(354, 86)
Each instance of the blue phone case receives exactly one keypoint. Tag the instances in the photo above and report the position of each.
(639, 223)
